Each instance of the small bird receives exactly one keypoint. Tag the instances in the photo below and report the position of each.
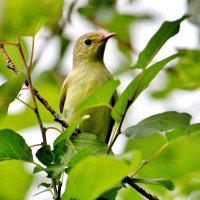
(88, 73)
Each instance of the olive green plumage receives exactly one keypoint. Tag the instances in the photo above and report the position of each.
(89, 72)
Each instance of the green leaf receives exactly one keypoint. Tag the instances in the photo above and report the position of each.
(137, 85)
(184, 74)
(69, 152)
(175, 134)
(98, 173)
(166, 31)
(81, 146)
(100, 97)
(59, 151)
(159, 123)
(13, 146)
(80, 155)
(8, 93)
(69, 131)
(161, 182)
(25, 18)
(15, 180)
(110, 194)
(45, 155)
(85, 140)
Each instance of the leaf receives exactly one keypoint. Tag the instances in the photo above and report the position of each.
(166, 31)
(159, 123)
(45, 155)
(110, 194)
(175, 134)
(15, 176)
(69, 131)
(137, 85)
(161, 182)
(25, 18)
(98, 173)
(85, 140)
(100, 97)
(13, 146)
(8, 93)
(184, 74)
(81, 146)
(80, 155)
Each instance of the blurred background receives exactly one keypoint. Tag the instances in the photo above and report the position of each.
(176, 88)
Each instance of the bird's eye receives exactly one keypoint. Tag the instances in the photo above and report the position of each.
(88, 42)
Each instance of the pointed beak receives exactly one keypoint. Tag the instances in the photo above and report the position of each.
(106, 37)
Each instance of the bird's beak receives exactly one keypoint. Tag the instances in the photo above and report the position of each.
(106, 37)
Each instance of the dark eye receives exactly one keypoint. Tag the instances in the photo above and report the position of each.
(88, 42)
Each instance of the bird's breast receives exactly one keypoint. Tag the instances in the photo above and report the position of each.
(82, 83)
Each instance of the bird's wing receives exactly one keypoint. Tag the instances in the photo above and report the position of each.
(63, 96)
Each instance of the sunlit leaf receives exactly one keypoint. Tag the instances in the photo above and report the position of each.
(8, 93)
(98, 173)
(166, 31)
(13, 147)
(14, 175)
(184, 74)
(100, 97)
(69, 131)
(25, 18)
(137, 86)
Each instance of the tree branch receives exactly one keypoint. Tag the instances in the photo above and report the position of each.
(11, 66)
(140, 190)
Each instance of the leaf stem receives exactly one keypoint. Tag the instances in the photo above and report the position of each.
(117, 131)
(145, 162)
(26, 104)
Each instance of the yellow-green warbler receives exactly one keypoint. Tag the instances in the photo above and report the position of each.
(89, 72)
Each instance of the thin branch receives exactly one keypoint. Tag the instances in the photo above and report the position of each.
(54, 128)
(36, 145)
(10, 64)
(8, 43)
(160, 150)
(28, 74)
(139, 189)
(117, 131)
(26, 104)
(32, 51)
(50, 109)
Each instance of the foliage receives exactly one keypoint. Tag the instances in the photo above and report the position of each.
(94, 172)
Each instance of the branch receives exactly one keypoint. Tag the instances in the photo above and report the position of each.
(160, 150)
(117, 130)
(11, 66)
(140, 190)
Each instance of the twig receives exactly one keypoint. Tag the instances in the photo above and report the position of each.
(11, 66)
(139, 189)
(36, 145)
(54, 128)
(28, 74)
(50, 109)
(117, 131)
(25, 103)
(160, 150)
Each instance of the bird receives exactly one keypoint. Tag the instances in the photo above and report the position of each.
(88, 73)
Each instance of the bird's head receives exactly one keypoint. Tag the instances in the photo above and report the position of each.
(90, 47)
